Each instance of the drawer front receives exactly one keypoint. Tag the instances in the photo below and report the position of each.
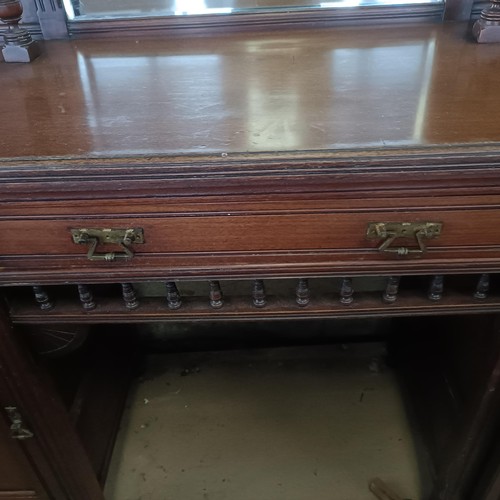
(267, 243)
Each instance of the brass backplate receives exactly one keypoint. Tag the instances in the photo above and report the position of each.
(109, 236)
(403, 229)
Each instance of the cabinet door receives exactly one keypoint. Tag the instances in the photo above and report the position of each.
(18, 480)
(53, 451)
(451, 369)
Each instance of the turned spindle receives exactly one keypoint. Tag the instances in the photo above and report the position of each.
(487, 28)
(436, 288)
(258, 293)
(42, 299)
(19, 46)
(302, 292)
(215, 295)
(129, 296)
(173, 296)
(390, 294)
(346, 291)
(482, 287)
(86, 297)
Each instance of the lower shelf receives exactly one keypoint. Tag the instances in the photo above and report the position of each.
(283, 424)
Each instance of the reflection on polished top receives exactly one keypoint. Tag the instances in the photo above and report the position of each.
(328, 89)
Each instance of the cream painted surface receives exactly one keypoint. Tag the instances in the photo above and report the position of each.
(275, 424)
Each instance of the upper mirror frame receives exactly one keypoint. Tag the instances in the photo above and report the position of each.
(93, 9)
(341, 12)
(52, 22)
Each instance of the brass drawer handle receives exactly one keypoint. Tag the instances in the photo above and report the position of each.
(121, 237)
(389, 231)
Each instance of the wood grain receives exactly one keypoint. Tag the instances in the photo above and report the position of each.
(292, 90)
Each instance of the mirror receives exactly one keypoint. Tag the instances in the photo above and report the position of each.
(86, 10)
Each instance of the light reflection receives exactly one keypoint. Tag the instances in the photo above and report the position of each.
(337, 99)
(87, 91)
(272, 120)
(363, 3)
(197, 7)
(68, 7)
(426, 72)
(397, 73)
(273, 105)
(96, 9)
(179, 106)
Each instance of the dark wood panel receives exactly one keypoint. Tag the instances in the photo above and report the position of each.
(109, 366)
(55, 451)
(451, 368)
(18, 480)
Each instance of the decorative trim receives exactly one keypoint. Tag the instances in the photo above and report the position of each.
(32, 28)
(181, 176)
(477, 8)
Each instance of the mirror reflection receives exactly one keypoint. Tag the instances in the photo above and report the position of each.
(88, 9)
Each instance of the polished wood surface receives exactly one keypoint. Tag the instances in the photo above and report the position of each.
(333, 89)
(262, 154)
(251, 155)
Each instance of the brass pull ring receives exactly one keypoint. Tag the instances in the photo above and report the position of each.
(121, 237)
(390, 231)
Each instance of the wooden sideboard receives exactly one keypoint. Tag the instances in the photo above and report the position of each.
(297, 154)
